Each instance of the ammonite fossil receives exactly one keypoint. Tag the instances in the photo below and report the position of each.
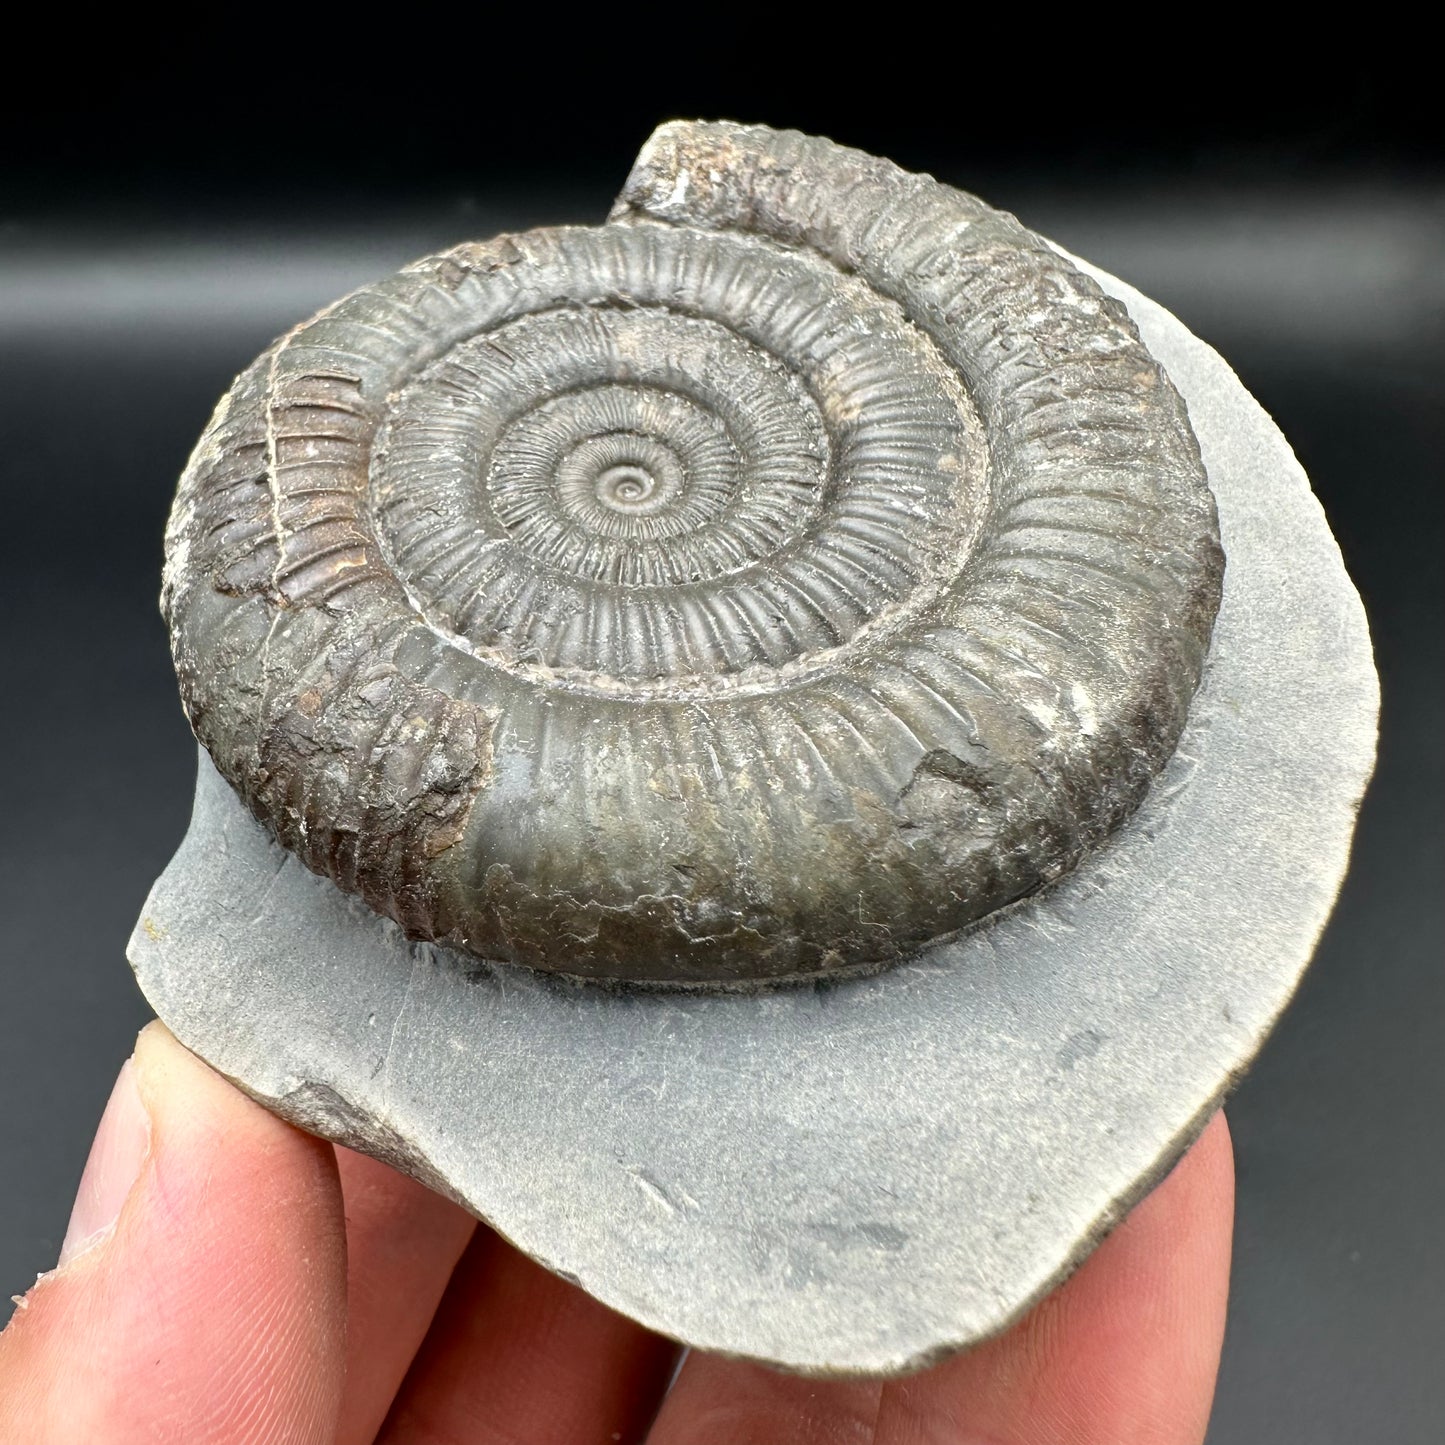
(793, 570)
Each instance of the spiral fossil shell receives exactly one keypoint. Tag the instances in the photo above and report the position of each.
(790, 571)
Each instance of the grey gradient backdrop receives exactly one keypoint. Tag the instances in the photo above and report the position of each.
(128, 299)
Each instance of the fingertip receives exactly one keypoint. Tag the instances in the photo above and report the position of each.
(214, 1302)
(1212, 1155)
(116, 1157)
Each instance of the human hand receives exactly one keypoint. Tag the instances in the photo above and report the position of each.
(228, 1279)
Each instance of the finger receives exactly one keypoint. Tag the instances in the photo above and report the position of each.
(201, 1298)
(516, 1354)
(402, 1243)
(1126, 1350)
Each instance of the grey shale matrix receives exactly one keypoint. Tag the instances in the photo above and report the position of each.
(800, 604)
(783, 575)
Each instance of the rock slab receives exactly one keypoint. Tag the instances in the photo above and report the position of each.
(855, 1177)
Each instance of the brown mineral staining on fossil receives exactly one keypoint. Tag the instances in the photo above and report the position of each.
(790, 571)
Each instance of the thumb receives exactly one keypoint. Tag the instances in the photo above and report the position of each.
(201, 1291)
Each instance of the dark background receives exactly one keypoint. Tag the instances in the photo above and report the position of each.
(1292, 214)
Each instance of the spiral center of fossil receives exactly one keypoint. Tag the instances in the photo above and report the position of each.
(607, 481)
(625, 487)
(727, 462)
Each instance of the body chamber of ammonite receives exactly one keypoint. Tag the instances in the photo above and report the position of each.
(785, 574)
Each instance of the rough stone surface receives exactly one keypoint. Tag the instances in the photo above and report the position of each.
(862, 1175)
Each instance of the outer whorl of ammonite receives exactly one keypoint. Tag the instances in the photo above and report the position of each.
(787, 573)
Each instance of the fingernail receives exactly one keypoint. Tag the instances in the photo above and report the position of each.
(113, 1167)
